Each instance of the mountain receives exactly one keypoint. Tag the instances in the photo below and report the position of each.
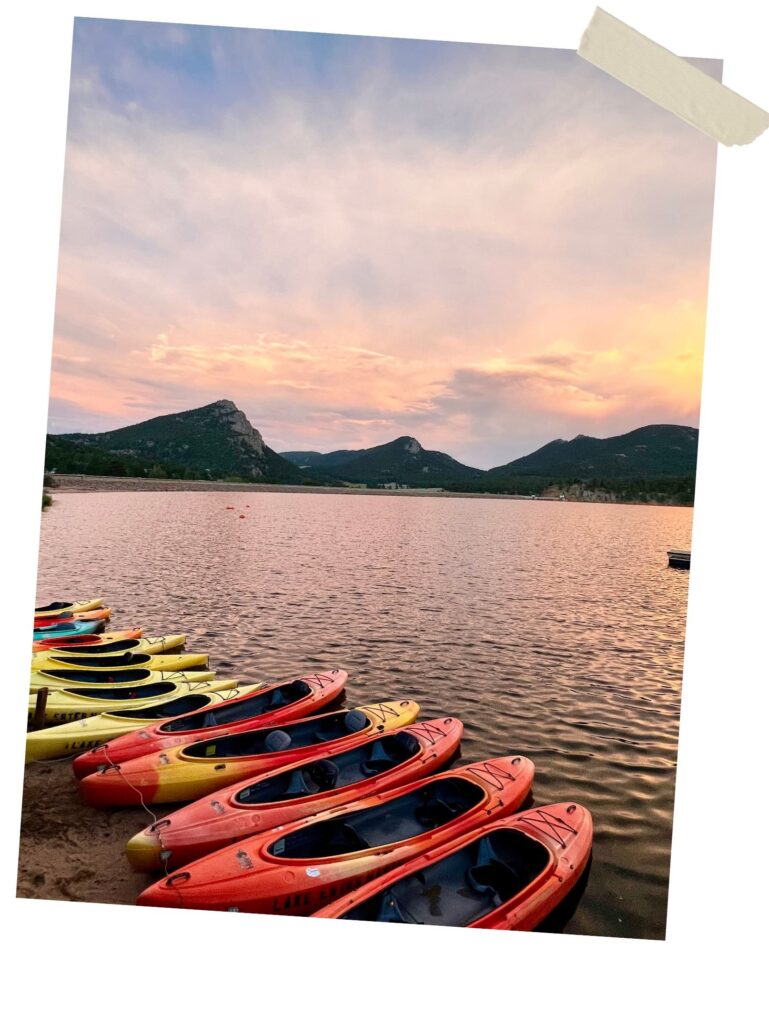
(654, 452)
(317, 460)
(402, 461)
(215, 441)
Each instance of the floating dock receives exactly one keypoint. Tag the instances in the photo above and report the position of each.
(679, 559)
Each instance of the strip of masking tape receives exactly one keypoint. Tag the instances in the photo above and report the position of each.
(670, 81)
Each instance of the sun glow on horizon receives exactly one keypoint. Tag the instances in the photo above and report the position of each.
(355, 246)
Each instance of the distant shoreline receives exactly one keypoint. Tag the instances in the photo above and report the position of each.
(78, 483)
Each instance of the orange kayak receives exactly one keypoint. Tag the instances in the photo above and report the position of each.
(180, 774)
(509, 874)
(271, 705)
(85, 642)
(299, 790)
(302, 867)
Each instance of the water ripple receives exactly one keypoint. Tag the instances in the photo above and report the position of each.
(552, 630)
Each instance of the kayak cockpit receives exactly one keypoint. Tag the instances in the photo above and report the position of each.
(113, 647)
(462, 887)
(54, 606)
(332, 773)
(120, 675)
(431, 806)
(121, 661)
(65, 627)
(124, 692)
(324, 728)
(179, 706)
(259, 703)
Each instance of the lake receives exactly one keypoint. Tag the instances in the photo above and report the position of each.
(552, 629)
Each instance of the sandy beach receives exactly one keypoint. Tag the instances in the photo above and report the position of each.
(69, 851)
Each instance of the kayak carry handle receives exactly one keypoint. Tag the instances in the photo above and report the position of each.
(180, 877)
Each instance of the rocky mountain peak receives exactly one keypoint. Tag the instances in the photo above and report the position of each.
(238, 423)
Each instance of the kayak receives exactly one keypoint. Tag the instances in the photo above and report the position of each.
(180, 774)
(67, 630)
(510, 874)
(274, 704)
(87, 641)
(111, 665)
(58, 608)
(64, 677)
(92, 616)
(129, 641)
(79, 702)
(304, 866)
(296, 791)
(74, 737)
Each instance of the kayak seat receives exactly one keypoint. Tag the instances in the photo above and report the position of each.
(276, 741)
(300, 784)
(355, 721)
(377, 766)
(390, 910)
(379, 761)
(434, 813)
(495, 880)
(289, 693)
(329, 838)
(209, 720)
(344, 839)
(298, 689)
(501, 880)
(277, 698)
(323, 775)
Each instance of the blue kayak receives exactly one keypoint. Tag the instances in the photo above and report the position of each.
(64, 630)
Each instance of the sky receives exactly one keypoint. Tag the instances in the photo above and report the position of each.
(353, 239)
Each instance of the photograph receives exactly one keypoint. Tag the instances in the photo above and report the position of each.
(369, 479)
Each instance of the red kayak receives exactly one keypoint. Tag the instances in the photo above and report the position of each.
(180, 774)
(300, 868)
(270, 705)
(288, 794)
(508, 875)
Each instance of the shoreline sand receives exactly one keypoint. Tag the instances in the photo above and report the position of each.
(85, 484)
(69, 851)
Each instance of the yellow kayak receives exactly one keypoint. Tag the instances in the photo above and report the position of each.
(110, 667)
(64, 609)
(129, 641)
(75, 737)
(82, 701)
(193, 770)
(64, 677)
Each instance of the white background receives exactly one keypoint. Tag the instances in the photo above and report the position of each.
(71, 960)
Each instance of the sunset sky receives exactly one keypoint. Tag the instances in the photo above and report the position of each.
(485, 247)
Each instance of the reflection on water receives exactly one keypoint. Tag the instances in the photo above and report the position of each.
(553, 630)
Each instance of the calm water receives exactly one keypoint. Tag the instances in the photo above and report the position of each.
(553, 630)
